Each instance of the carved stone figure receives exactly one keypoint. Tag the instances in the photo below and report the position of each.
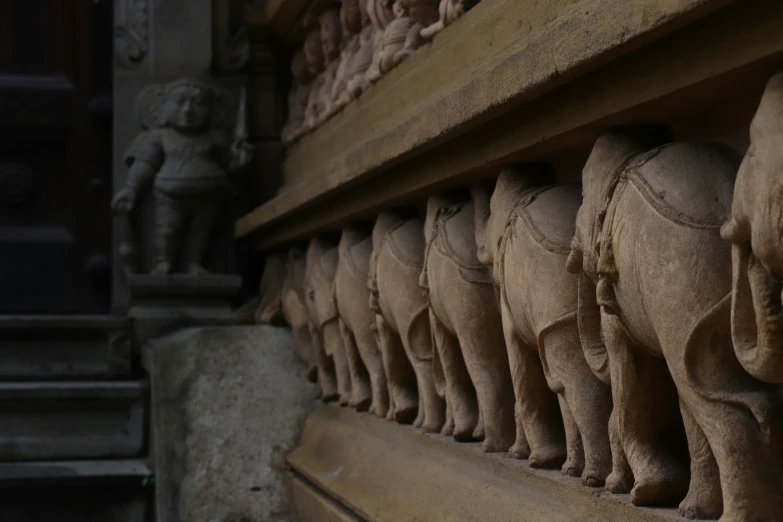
(359, 62)
(449, 11)
(402, 319)
(331, 39)
(351, 18)
(297, 98)
(357, 321)
(648, 235)
(394, 38)
(523, 232)
(314, 57)
(755, 232)
(187, 158)
(466, 325)
(282, 293)
(381, 14)
(320, 268)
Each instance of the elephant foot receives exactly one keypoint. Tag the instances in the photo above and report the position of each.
(378, 411)
(406, 414)
(419, 421)
(463, 433)
(702, 504)
(448, 428)
(619, 481)
(593, 478)
(573, 467)
(390, 414)
(362, 404)
(329, 396)
(478, 432)
(547, 457)
(520, 450)
(493, 445)
(661, 489)
(431, 427)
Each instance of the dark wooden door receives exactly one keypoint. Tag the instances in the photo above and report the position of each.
(55, 156)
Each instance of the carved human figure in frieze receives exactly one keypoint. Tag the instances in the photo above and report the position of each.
(402, 319)
(381, 14)
(523, 232)
(360, 60)
(297, 97)
(314, 57)
(466, 326)
(331, 356)
(357, 321)
(655, 282)
(449, 11)
(351, 18)
(755, 233)
(331, 39)
(186, 154)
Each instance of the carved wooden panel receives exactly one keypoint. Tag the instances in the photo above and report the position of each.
(55, 65)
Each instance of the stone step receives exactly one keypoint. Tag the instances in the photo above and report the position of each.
(72, 420)
(41, 347)
(71, 491)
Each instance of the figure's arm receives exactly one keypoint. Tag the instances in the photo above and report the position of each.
(144, 158)
(239, 153)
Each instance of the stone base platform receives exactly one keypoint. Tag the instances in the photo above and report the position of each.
(353, 466)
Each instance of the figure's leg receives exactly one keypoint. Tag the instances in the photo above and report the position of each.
(170, 217)
(575, 460)
(400, 375)
(539, 422)
(361, 396)
(486, 359)
(326, 378)
(371, 356)
(202, 223)
(587, 398)
(741, 418)
(645, 405)
(704, 499)
(461, 397)
(417, 343)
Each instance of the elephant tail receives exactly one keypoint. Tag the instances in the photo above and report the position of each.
(741, 390)
(589, 321)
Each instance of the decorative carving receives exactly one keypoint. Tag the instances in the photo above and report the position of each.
(525, 238)
(402, 320)
(754, 231)
(231, 46)
(297, 98)
(314, 56)
(17, 183)
(466, 327)
(648, 235)
(185, 153)
(130, 32)
(352, 296)
(449, 11)
(332, 360)
(381, 14)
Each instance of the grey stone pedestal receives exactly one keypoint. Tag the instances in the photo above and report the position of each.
(228, 404)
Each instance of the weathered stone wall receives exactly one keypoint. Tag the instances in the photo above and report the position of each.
(228, 404)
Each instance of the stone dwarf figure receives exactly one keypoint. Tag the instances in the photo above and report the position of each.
(331, 39)
(187, 158)
(352, 19)
(402, 36)
(449, 12)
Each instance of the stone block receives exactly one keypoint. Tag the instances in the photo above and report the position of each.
(228, 404)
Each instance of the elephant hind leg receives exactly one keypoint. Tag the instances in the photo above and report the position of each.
(704, 499)
(326, 379)
(459, 391)
(448, 425)
(370, 355)
(419, 341)
(539, 422)
(361, 396)
(647, 419)
(620, 480)
(588, 400)
(402, 380)
(575, 459)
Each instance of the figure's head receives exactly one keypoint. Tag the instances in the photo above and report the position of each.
(299, 69)
(351, 17)
(186, 105)
(314, 53)
(331, 33)
(400, 8)
(423, 12)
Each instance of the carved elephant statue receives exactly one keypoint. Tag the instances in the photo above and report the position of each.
(402, 320)
(648, 235)
(332, 359)
(523, 232)
(357, 321)
(757, 254)
(466, 326)
(282, 301)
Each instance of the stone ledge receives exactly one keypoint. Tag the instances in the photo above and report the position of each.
(500, 56)
(387, 472)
